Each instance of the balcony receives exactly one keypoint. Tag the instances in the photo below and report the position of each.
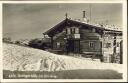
(73, 36)
(76, 36)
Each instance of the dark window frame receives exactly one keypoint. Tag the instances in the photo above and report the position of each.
(91, 44)
(107, 45)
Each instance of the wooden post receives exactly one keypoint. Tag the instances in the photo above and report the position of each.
(121, 52)
(114, 43)
(51, 42)
(79, 46)
(102, 47)
(114, 49)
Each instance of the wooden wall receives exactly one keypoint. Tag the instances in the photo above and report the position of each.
(88, 36)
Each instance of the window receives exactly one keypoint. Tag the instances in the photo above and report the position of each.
(107, 45)
(91, 44)
(72, 30)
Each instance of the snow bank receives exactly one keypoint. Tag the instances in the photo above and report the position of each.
(29, 59)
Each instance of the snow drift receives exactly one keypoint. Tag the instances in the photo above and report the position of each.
(29, 59)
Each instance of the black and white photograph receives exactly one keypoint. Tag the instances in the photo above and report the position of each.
(63, 41)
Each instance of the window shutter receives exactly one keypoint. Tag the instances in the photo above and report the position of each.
(76, 30)
(68, 31)
(58, 44)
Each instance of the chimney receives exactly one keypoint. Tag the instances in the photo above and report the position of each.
(83, 14)
(84, 17)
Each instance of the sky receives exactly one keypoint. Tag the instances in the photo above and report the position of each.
(29, 21)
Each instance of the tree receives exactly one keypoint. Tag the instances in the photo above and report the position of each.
(7, 40)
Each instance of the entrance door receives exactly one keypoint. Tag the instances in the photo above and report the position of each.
(70, 46)
(73, 46)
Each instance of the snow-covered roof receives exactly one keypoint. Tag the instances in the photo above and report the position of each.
(68, 22)
(105, 26)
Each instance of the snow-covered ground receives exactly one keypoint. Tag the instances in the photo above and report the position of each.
(29, 59)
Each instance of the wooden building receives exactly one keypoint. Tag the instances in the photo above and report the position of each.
(71, 36)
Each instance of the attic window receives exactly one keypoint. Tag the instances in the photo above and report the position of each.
(72, 30)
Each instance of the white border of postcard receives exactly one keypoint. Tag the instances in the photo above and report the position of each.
(123, 2)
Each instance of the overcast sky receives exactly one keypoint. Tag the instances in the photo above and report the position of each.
(26, 21)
